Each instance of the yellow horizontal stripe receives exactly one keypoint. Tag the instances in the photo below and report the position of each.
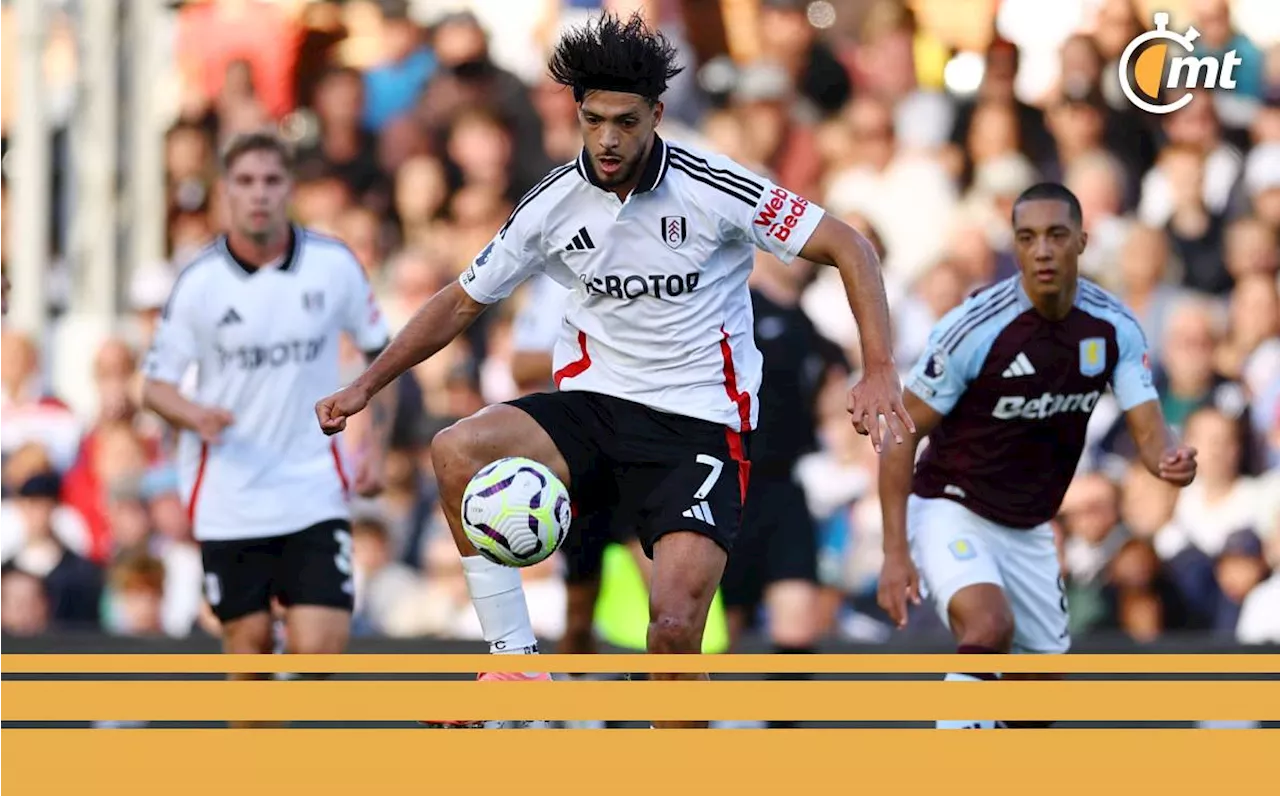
(637, 763)
(810, 701)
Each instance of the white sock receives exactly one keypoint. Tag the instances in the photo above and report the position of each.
(952, 724)
(498, 596)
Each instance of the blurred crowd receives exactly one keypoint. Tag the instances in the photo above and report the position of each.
(417, 131)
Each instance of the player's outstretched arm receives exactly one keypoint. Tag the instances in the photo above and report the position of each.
(899, 581)
(164, 399)
(445, 316)
(1158, 448)
(879, 392)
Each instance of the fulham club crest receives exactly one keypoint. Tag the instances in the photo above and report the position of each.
(674, 230)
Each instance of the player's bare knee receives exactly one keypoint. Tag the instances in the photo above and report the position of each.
(250, 635)
(452, 456)
(992, 629)
(674, 632)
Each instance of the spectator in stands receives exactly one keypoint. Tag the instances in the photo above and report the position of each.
(815, 71)
(764, 104)
(214, 34)
(479, 150)
(1193, 130)
(30, 413)
(383, 584)
(1144, 283)
(1252, 247)
(116, 429)
(1240, 568)
(393, 85)
(1097, 179)
(1260, 615)
(1090, 516)
(343, 148)
(1142, 602)
(900, 194)
(1008, 116)
(1186, 377)
(1262, 183)
(421, 190)
(1221, 501)
(135, 596)
(1217, 35)
(72, 583)
(1250, 352)
(360, 228)
(467, 77)
(24, 604)
(170, 541)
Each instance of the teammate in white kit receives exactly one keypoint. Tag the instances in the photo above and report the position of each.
(259, 314)
(657, 367)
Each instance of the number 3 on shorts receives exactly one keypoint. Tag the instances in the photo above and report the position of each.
(710, 481)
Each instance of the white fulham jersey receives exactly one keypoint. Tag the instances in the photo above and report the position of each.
(265, 343)
(660, 313)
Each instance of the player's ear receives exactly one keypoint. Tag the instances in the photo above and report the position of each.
(1084, 241)
(658, 108)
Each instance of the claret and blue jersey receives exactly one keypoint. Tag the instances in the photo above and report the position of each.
(1016, 390)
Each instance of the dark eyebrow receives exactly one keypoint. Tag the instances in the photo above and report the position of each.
(620, 117)
(1050, 228)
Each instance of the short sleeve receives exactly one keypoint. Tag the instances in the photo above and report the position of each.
(1131, 380)
(781, 221)
(363, 319)
(511, 257)
(771, 217)
(176, 343)
(941, 376)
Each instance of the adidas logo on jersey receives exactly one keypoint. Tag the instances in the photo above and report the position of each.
(1021, 366)
(1014, 407)
(230, 317)
(700, 511)
(581, 242)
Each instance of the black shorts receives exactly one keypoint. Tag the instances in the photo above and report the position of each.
(589, 536)
(308, 567)
(654, 472)
(779, 542)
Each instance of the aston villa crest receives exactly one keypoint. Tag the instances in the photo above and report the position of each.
(674, 230)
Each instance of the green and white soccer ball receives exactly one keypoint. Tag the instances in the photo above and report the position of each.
(516, 512)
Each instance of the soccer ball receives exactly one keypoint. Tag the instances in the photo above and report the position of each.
(516, 512)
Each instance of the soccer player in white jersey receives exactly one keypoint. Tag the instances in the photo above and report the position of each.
(657, 367)
(259, 313)
(1004, 392)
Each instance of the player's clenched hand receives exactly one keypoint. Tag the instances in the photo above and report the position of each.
(1178, 465)
(879, 394)
(899, 582)
(333, 411)
(210, 422)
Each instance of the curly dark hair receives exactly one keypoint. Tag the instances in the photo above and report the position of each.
(610, 55)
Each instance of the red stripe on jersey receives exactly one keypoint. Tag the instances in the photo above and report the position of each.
(576, 367)
(337, 465)
(742, 399)
(739, 455)
(195, 490)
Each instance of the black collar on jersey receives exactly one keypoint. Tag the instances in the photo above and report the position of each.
(290, 254)
(655, 168)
